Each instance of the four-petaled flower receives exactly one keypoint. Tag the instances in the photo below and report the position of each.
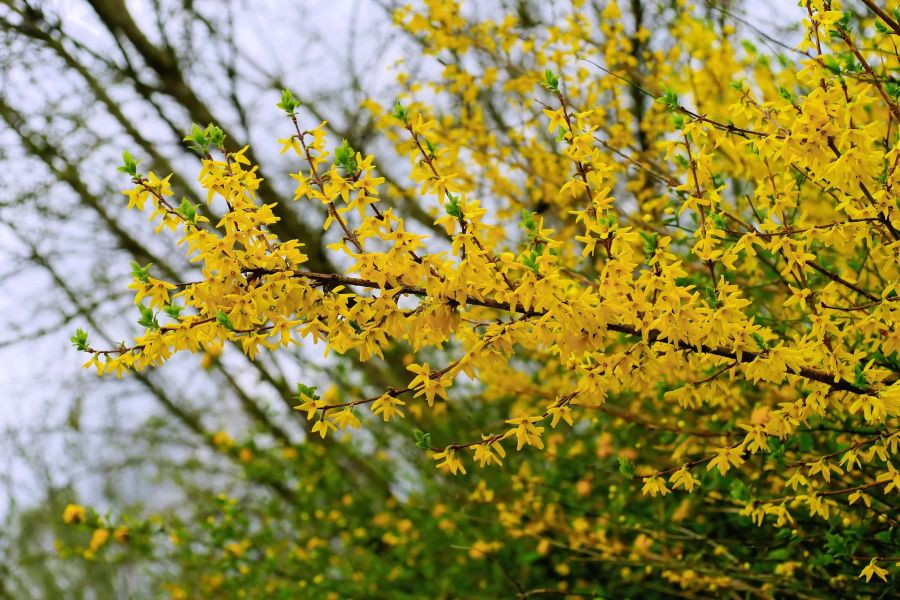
(526, 432)
(451, 462)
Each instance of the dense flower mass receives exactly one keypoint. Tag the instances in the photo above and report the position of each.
(654, 326)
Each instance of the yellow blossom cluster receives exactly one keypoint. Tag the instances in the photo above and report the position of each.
(716, 259)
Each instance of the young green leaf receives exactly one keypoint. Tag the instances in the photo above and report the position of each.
(79, 340)
(288, 103)
(223, 319)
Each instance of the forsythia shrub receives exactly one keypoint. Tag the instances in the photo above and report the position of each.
(653, 334)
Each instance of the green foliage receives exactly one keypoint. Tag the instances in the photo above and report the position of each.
(551, 81)
(129, 164)
(669, 99)
(148, 317)
(401, 113)
(224, 320)
(140, 273)
(345, 158)
(452, 206)
(423, 440)
(288, 103)
(202, 140)
(79, 340)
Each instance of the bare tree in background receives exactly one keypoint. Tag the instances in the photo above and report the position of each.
(79, 83)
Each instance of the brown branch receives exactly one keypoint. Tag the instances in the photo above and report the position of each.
(884, 16)
(652, 336)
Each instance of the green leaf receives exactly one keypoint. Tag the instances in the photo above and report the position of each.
(832, 64)
(79, 340)
(308, 391)
(850, 64)
(187, 210)
(777, 450)
(893, 90)
(626, 467)
(148, 319)
(223, 320)
(140, 273)
(651, 241)
(779, 554)
(129, 164)
(453, 208)
(711, 296)
(197, 139)
(345, 158)
(719, 221)
(760, 342)
(844, 22)
(288, 103)
(738, 490)
(215, 135)
(423, 440)
(561, 134)
(669, 98)
(173, 310)
(432, 148)
(529, 223)
(836, 545)
(551, 81)
(718, 179)
(884, 536)
(400, 113)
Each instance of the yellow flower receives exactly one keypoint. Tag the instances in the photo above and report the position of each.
(874, 569)
(121, 535)
(160, 186)
(74, 514)
(98, 538)
(488, 452)
(557, 120)
(345, 419)
(684, 479)
(451, 462)
(222, 440)
(526, 432)
(137, 197)
(560, 412)
(386, 406)
(654, 485)
(428, 383)
(290, 143)
(480, 549)
(322, 426)
(236, 549)
(725, 459)
(310, 406)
